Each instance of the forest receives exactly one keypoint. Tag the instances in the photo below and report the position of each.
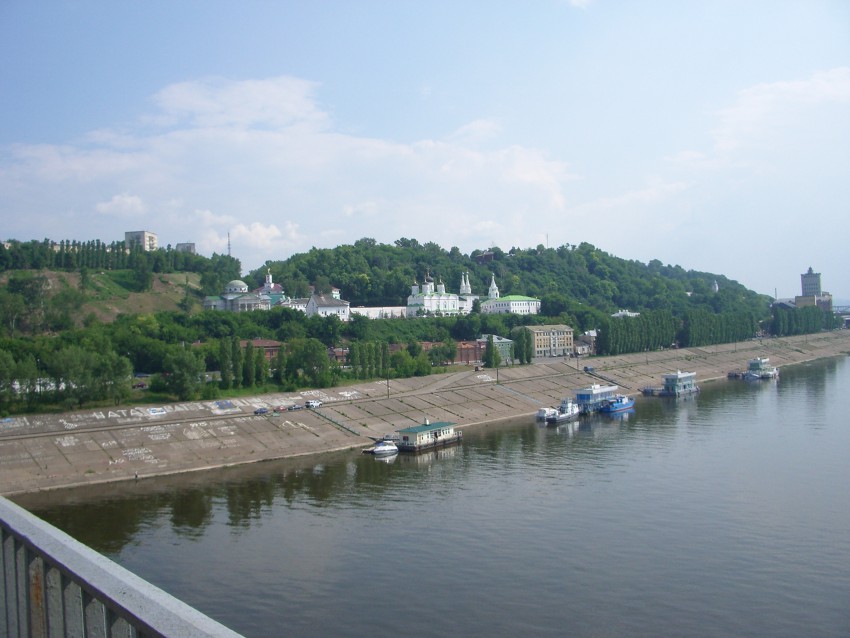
(51, 354)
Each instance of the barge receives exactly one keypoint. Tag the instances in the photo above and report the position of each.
(758, 368)
(676, 384)
(427, 436)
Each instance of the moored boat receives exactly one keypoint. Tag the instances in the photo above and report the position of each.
(760, 368)
(427, 436)
(383, 447)
(592, 399)
(567, 411)
(544, 413)
(676, 384)
(619, 403)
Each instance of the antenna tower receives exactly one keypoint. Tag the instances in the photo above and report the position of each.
(228, 244)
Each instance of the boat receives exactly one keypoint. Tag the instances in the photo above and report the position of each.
(567, 411)
(427, 436)
(543, 414)
(618, 403)
(760, 368)
(676, 384)
(383, 447)
(591, 399)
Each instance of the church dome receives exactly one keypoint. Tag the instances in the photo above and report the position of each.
(236, 285)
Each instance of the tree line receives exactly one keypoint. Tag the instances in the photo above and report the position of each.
(48, 356)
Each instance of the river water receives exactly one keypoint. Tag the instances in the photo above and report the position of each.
(727, 514)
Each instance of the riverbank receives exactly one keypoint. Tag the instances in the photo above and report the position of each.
(47, 452)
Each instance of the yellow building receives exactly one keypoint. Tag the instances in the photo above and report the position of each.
(552, 341)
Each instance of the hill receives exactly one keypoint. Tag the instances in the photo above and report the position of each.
(564, 278)
(106, 294)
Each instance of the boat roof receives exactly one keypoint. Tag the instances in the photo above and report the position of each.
(597, 389)
(426, 427)
(679, 375)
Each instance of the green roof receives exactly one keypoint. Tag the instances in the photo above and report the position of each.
(426, 427)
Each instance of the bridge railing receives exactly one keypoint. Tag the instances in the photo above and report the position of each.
(53, 585)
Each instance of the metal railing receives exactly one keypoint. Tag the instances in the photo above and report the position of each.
(53, 585)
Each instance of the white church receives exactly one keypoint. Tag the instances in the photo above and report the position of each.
(432, 299)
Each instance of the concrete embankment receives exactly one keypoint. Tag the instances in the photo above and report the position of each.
(44, 452)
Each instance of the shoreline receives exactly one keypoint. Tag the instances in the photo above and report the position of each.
(46, 453)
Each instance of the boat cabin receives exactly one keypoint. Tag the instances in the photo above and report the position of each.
(593, 398)
(679, 383)
(426, 436)
(760, 368)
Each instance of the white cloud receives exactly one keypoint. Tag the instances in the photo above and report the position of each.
(122, 205)
(761, 113)
(207, 218)
(215, 102)
(477, 131)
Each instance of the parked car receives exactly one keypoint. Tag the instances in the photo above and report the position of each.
(141, 385)
(261, 411)
(295, 406)
(280, 408)
(313, 403)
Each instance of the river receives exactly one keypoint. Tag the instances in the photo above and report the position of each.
(724, 514)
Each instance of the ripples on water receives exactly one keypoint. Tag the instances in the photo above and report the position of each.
(724, 514)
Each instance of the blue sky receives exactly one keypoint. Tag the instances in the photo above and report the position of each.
(712, 135)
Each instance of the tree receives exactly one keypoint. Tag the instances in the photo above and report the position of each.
(354, 359)
(27, 375)
(518, 336)
(402, 363)
(185, 372)
(236, 361)
(422, 366)
(308, 359)
(490, 353)
(225, 363)
(12, 308)
(261, 366)
(279, 366)
(7, 379)
(116, 374)
(249, 369)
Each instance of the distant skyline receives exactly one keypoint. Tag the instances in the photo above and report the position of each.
(713, 136)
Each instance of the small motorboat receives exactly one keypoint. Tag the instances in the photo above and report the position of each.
(384, 447)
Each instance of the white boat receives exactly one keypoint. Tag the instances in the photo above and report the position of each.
(384, 447)
(543, 414)
(760, 368)
(567, 411)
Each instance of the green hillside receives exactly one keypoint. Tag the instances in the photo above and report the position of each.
(105, 296)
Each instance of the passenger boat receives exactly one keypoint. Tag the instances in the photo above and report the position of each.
(760, 368)
(618, 404)
(427, 436)
(676, 384)
(567, 411)
(383, 447)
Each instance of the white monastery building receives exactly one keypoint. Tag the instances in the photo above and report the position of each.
(515, 304)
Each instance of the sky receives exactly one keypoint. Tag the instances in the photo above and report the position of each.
(710, 135)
